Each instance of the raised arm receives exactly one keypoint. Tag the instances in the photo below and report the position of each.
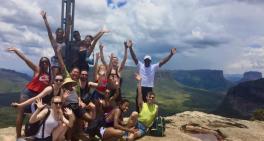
(139, 98)
(122, 66)
(101, 46)
(167, 58)
(52, 40)
(132, 53)
(60, 59)
(110, 65)
(69, 122)
(95, 40)
(25, 59)
(45, 92)
(40, 113)
(95, 66)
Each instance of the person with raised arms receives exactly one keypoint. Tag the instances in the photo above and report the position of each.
(41, 79)
(58, 42)
(147, 70)
(116, 68)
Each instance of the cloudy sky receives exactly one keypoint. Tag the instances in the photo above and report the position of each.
(208, 34)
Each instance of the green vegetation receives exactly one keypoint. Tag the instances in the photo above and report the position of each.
(173, 97)
(258, 115)
(212, 80)
(12, 81)
(7, 117)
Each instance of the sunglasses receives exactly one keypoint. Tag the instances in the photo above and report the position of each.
(58, 80)
(152, 97)
(85, 74)
(57, 103)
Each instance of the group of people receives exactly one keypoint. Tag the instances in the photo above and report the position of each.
(71, 103)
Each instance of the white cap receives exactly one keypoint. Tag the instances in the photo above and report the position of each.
(147, 57)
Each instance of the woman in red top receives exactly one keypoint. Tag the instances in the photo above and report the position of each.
(41, 79)
(100, 77)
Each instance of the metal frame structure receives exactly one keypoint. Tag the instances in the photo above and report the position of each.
(68, 9)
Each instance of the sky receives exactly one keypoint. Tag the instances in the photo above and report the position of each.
(208, 34)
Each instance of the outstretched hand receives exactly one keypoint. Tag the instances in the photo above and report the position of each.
(15, 104)
(11, 49)
(101, 46)
(138, 77)
(128, 44)
(173, 51)
(43, 14)
(66, 94)
(68, 111)
(39, 103)
(105, 30)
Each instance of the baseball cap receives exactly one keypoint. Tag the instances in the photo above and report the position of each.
(147, 57)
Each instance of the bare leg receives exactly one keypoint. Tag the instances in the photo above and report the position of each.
(112, 133)
(130, 137)
(19, 119)
(58, 134)
(132, 120)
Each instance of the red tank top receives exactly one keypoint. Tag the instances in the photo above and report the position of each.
(38, 84)
(102, 85)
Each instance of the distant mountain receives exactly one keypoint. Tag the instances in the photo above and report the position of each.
(212, 80)
(12, 81)
(251, 75)
(172, 96)
(243, 99)
(234, 78)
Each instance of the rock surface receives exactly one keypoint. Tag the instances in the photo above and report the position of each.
(251, 75)
(230, 129)
(243, 99)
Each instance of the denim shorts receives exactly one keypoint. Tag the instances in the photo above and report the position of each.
(27, 94)
(142, 128)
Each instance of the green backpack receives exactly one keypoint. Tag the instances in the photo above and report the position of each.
(158, 127)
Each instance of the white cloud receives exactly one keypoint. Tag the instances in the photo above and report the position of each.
(216, 34)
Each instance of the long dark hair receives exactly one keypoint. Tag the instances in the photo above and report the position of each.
(41, 66)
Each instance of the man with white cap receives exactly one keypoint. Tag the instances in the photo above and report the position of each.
(147, 70)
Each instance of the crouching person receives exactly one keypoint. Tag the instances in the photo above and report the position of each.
(55, 124)
(114, 126)
(147, 110)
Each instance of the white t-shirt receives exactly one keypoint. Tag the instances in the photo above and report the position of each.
(147, 73)
(50, 124)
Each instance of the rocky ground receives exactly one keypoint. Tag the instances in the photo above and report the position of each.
(182, 126)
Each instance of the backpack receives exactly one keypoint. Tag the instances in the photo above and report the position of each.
(158, 127)
(32, 129)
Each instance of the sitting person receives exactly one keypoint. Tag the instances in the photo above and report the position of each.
(115, 127)
(55, 124)
(147, 110)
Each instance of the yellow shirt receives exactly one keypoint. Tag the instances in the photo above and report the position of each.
(148, 114)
